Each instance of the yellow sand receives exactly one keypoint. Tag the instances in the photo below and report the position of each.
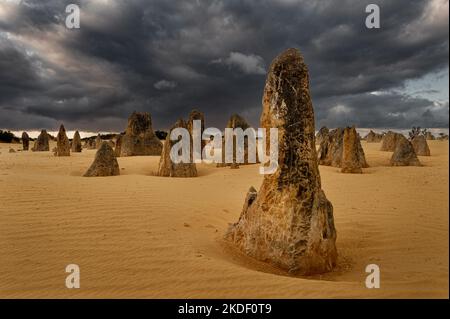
(142, 236)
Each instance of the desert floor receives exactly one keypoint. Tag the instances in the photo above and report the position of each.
(142, 236)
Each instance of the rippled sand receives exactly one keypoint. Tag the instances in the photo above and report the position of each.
(137, 235)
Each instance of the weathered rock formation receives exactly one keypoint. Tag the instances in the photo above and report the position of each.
(166, 166)
(76, 143)
(404, 154)
(118, 147)
(237, 121)
(25, 141)
(331, 150)
(322, 134)
(373, 137)
(105, 163)
(98, 141)
(420, 145)
(289, 222)
(139, 138)
(62, 143)
(42, 142)
(196, 115)
(389, 141)
(351, 162)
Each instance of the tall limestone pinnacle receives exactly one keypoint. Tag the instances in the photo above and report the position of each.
(289, 222)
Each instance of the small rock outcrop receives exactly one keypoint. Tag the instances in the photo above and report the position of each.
(11, 150)
(167, 167)
(389, 141)
(105, 163)
(139, 138)
(42, 142)
(331, 150)
(404, 154)
(373, 137)
(351, 161)
(76, 143)
(420, 145)
(289, 222)
(62, 143)
(25, 141)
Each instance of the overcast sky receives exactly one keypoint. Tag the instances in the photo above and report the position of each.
(168, 57)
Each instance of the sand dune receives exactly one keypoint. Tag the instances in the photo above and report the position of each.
(142, 236)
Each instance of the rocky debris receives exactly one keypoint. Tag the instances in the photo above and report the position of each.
(351, 162)
(139, 138)
(105, 163)
(76, 143)
(389, 141)
(289, 222)
(373, 137)
(404, 154)
(167, 167)
(429, 136)
(62, 143)
(11, 150)
(25, 141)
(42, 142)
(420, 145)
(331, 149)
(322, 134)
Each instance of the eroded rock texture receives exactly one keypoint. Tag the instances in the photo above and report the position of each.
(420, 145)
(139, 138)
(351, 155)
(105, 163)
(331, 149)
(373, 137)
(76, 143)
(62, 143)
(389, 141)
(42, 142)
(289, 222)
(404, 154)
(322, 134)
(25, 141)
(98, 141)
(166, 166)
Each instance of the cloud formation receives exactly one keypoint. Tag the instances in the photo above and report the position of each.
(167, 57)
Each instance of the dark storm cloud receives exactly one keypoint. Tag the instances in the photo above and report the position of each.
(167, 57)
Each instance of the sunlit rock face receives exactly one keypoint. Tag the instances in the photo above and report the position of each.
(289, 221)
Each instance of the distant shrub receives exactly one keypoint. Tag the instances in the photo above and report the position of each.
(416, 131)
(7, 137)
(161, 135)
